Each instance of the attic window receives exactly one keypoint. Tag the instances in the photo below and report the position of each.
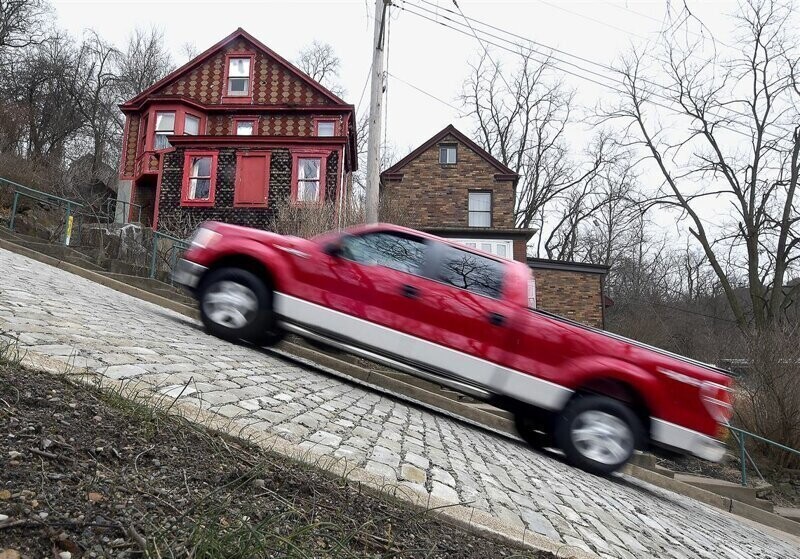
(447, 154)
(239, 76)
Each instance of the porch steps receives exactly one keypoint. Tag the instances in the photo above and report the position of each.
(747, 495)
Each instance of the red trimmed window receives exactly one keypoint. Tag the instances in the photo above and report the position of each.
(238, 84)
(308, 177)
(199, 178)
(252, 179)
(324, 127)
(245, 126)
(165, 126)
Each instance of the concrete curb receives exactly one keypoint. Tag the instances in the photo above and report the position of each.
(420, 396)
(727, 504)
(454, 513)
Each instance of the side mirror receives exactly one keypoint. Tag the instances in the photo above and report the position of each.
(334, 248)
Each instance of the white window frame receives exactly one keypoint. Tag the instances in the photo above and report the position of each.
(470, 211)
(241, 77)
(165, 132)
(186, 118)
(448, 149)
(494, 243)
(251, 123)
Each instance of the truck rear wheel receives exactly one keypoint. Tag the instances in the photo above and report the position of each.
(236, 305)
(598, 434)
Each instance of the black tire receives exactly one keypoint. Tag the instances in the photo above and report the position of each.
(584, 455)
(535, 428)
(259, 327)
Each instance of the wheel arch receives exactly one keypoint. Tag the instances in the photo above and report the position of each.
(244, 262)
(620, 390)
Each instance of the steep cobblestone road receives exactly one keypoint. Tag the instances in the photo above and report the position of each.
(77, 321)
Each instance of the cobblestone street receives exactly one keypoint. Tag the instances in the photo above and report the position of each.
(82, 323)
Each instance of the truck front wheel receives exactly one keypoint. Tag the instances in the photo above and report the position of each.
(236, 305)
(598, 434)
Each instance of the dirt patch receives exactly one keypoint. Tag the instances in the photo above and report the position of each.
(87, 473)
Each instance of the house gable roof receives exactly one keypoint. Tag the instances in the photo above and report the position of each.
(451, 130)
(201, 58)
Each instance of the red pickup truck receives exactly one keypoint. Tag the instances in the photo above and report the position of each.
(462, 318)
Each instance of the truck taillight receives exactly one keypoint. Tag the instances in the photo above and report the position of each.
(718, 401)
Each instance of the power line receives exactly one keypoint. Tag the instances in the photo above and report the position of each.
(363, 90)
(486, 50)
(590, 18)
(657, 20)
(550, 58)
(431, 95)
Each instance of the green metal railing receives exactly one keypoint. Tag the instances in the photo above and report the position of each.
(740, 435)
(172, 252)
(128, 209)
(22, 191)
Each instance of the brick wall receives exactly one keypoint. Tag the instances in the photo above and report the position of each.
(571, 294)
(435, 195)
(280, 176)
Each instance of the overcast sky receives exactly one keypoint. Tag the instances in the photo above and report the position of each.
(428, 56)
(423, 55)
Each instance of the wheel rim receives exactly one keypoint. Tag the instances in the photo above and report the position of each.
(230, 304)
(602, 437)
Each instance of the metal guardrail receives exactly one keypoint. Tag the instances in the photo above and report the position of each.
(113, 205)
(740, 435)
(172, 252)
(20, 191)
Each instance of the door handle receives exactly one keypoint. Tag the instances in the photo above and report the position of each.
(410, 291)
(496, 319)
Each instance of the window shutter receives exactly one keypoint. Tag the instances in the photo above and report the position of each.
(252, 179)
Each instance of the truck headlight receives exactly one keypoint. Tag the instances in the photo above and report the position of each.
(203, 238)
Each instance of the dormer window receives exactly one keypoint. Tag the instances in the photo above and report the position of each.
(239, 76)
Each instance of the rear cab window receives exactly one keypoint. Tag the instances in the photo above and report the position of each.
(473, 272)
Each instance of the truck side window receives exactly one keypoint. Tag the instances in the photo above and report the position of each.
(398, 252)
(472, 272)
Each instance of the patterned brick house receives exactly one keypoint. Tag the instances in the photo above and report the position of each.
(451, 187)
(232, 135)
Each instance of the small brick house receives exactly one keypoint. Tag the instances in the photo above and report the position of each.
(451, 187)
(233, 135)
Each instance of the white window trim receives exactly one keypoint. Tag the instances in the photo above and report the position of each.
(509, 244)
(448, 148)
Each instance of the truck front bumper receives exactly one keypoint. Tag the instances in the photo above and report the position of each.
(682, 439)
(188, 274)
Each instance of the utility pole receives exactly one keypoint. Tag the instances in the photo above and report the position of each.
(376, 114)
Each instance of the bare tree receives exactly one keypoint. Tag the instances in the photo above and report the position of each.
(320, 62)
(522, 121)
(144, 61)
(734, 142)
(22, 22)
